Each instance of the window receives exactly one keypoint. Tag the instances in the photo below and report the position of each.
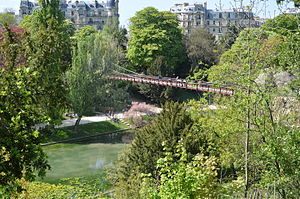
(220, 15)
(207, 22)
(214, 30)
(214, 22)
(81, 13)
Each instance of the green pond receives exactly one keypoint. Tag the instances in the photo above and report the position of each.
(82, 159)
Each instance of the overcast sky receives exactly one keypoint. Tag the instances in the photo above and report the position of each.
(127, 8)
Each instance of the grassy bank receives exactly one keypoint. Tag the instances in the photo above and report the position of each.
(84, 130)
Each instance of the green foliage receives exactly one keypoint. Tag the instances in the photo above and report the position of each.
(119, 34)
(262, 109)
(84, 188)
(180, 178)
(7, 18)
(94, 57)
(155, 48)
(283, 24)
(49, 54)
(229, 38)
(202, 49)
(153, 34)
(21, 156)
(83, 33)
(173, 124)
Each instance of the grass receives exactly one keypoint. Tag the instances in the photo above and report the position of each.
(84, 130)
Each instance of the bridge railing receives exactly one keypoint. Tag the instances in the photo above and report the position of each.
(174, 82)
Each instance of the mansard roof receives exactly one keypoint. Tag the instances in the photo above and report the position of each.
(84, 5)
(111, 3)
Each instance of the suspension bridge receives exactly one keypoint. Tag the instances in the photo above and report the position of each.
(174, 82)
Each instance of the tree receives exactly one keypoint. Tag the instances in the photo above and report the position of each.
(172, 125)
(202, 49)
(283, 24)
(21, 156)
(180, 178)
(155, 46)
(255, 64)
(83, 33)
(154, 34)
(50, 55)
(95, 56)
(228, 39)
(7, 18)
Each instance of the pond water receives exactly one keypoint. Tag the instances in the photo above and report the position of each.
(84, 158)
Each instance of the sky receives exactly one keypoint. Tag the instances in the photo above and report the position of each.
(128, 8)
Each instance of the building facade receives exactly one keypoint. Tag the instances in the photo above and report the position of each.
(81, 13)
(216, 22)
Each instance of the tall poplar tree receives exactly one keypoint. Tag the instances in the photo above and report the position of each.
(50, 55)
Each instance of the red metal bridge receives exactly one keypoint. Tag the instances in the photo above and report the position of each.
(174, 82)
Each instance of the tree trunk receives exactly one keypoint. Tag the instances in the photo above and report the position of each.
(77, 124)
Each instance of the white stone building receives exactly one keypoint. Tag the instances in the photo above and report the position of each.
(217, 22)
(81, 13)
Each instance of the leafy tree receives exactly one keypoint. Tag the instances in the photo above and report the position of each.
(83, 33)
(21, 156)
(118, 33)
(153, 34)
(7, 18)
(155, 48)
(180, 178)
(202, 49)
(172, 125)
(254, 64)
(283, 24)
(95, 55)
(50, 55)
(228, 39)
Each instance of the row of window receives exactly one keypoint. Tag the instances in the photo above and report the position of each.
(230, 15)
(187, 9)
(90, 21)
(89, 14)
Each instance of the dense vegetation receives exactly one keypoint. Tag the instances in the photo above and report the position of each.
(244, 145)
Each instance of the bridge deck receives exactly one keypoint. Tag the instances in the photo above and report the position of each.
(174, 82)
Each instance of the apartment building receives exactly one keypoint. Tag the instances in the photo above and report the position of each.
(216, 22)
(81, 13)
